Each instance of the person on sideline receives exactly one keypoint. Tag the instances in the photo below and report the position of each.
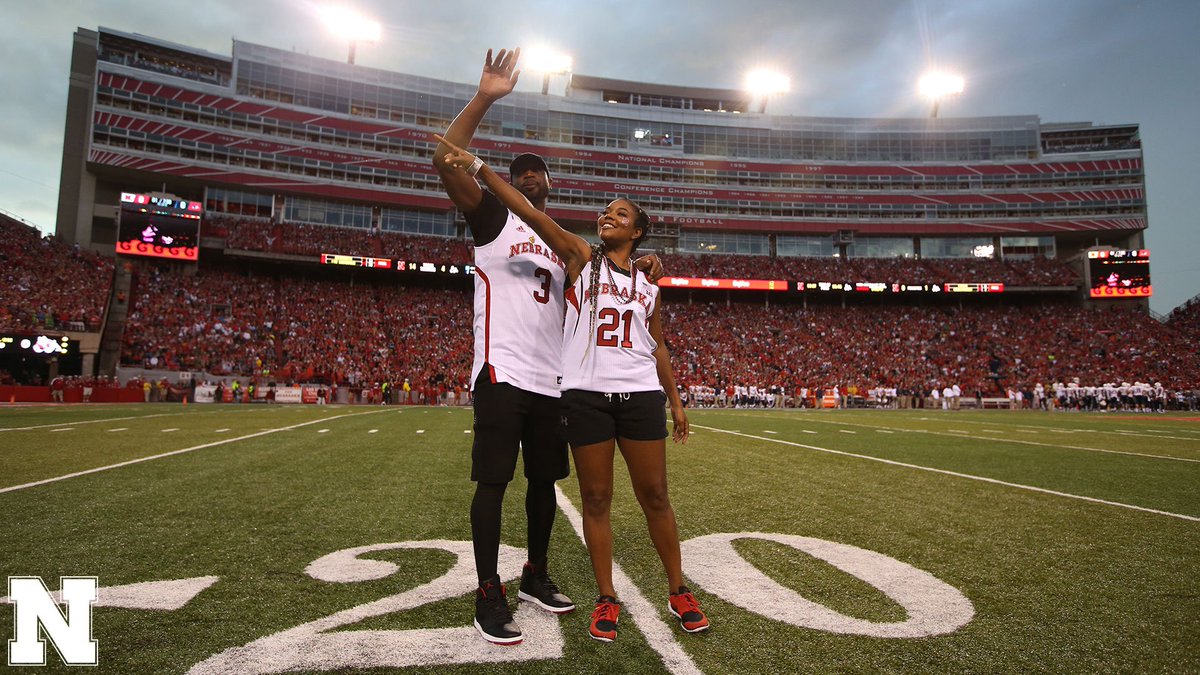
(616, 377)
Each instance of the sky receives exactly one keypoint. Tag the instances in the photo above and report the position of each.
(1102, 61)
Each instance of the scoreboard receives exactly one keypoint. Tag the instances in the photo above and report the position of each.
(1119, 273)
(159, 226)
(395, 264)
(356, 261)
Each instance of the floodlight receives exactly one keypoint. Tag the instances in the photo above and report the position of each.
(767, 82)
(547, 62)
(938, 85)
(764, 83)
(350, 25)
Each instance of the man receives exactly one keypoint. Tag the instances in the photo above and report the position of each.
(519, 310)
(57, 386)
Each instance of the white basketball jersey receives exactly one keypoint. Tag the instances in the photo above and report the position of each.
(617, 355)
(519, 310)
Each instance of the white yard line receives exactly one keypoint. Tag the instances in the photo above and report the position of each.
(14, 488)
(1114, 432)
(1023, 442)
(108, 419)
(658, 634)
(1005, 440)
(956, 474)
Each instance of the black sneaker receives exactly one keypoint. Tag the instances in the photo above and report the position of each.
(538, 588)
(493, 619)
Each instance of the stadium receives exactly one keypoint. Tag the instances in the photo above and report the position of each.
(936, 418)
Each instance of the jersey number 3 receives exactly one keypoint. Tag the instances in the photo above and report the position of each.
(542, 294)
(606, 332)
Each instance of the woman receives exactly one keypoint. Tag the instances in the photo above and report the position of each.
(616, 373)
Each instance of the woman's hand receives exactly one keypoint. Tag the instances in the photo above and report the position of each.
(458, 158)
(680, 420)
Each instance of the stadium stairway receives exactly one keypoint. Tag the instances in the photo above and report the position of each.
(115, 318)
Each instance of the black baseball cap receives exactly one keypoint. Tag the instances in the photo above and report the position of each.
(527, 160)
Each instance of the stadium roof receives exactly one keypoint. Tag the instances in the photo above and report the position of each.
(174, 46)
(730, 99)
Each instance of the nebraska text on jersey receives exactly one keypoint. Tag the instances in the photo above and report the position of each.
(614, 289)
(536, 248)
(519, 310)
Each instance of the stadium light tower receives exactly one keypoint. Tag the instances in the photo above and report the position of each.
(350, 25)
(937, 86)
(547, 62)
(766, 83)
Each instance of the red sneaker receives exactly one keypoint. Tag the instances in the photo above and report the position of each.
(683, 606)
(604, 619)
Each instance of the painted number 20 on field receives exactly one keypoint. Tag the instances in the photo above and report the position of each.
(932, 607)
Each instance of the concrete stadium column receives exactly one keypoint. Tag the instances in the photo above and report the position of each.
(77, 187)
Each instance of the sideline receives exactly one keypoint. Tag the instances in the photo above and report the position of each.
(956, 474)
(658, 634)
(118, 465)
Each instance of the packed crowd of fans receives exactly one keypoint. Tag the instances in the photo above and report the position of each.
(220, 321)
(46, 284)
(1027, 272)
(299, 330)
(296, 330)
(213, 320)
(313, 240)
(1186, 319)
(985, 349)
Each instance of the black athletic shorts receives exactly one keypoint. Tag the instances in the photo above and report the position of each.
(591, 417)
(508, 418)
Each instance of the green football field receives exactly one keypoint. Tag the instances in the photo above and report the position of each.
(255, 539)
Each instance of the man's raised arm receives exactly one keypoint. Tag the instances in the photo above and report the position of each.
(498, 79)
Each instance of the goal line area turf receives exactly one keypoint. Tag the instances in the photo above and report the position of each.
(306, 539)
